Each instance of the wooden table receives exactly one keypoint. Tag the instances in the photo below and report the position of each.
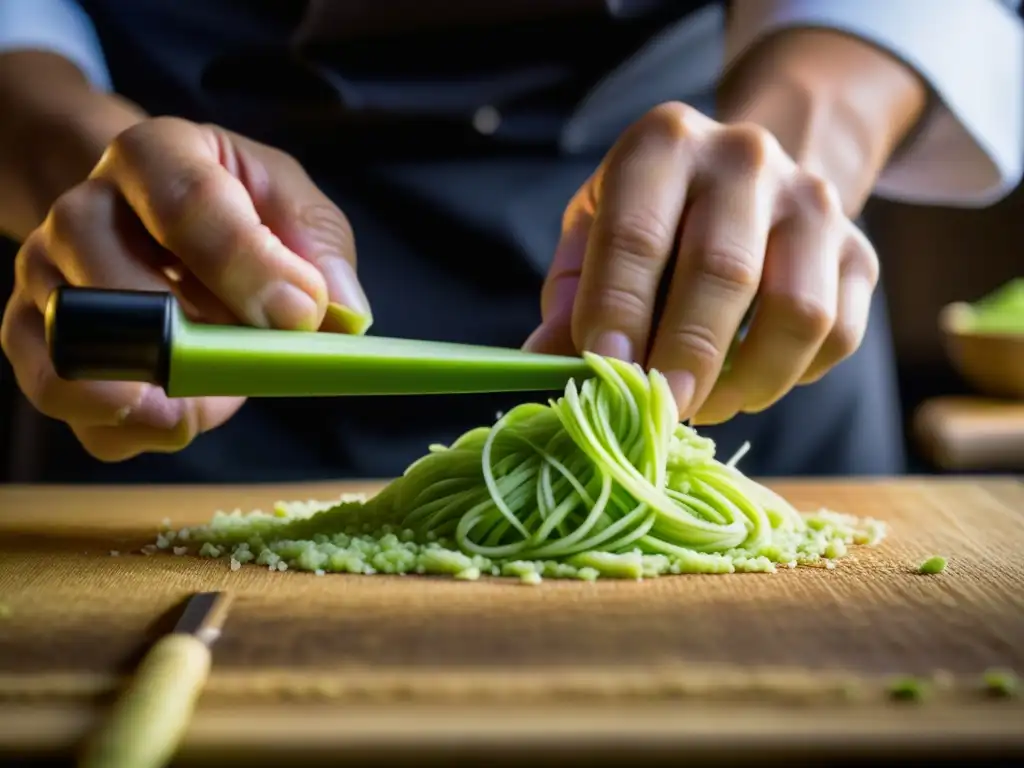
(323, 668)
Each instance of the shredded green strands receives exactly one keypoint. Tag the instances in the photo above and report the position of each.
(934, 564)
(1001, 683)
(602, 482)
(1002, 311)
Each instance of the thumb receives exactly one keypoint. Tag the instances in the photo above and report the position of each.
(308, 223)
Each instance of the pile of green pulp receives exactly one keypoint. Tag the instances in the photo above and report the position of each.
(602, 482)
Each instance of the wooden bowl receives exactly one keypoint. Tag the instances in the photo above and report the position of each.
(993, 363)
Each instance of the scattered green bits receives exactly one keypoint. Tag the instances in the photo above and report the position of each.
(5, 611)
(1000, 683)
(934, 564)
(908, 689)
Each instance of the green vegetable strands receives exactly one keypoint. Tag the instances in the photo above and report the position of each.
(603, 481)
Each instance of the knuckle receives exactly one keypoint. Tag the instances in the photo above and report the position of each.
(817, 196)
(862, 259)
(195, 189)
(285, 161)
(731, 267)
(699, 342)
(747, 146)
(30, 256)
(642, 237)
(68, 214)
(843, 341)
(803, 318)
(621, 302)
(672, 120)
(132, 144)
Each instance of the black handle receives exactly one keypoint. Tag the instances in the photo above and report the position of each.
(103, 335)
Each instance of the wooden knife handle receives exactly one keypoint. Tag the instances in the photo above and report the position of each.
(151, 716)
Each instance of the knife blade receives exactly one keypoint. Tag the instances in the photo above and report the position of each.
(149, 718)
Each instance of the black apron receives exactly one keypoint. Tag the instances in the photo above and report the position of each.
(453, 152)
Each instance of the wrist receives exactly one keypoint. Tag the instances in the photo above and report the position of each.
(53, 134)
(838, 106)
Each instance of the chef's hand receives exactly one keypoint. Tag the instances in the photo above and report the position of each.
(235, 229)
(727, 216)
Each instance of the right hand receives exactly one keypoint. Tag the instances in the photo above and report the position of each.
(235, 229)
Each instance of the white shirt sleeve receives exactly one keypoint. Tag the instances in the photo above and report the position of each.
(57, 26)
(969, 151)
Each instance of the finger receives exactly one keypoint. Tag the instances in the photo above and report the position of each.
(114, 420)
(196, 416)
(859, 271)
(90, 236)
(308, 223)
(554, 336)
(641, 194)
(716, 276)
(86, 402)
(795, 312)
(171, 173)
(93, 239)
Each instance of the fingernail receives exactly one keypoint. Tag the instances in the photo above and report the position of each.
(683, 384)
(343, 286)
(287, 307)
(347, 321)
(611, 344)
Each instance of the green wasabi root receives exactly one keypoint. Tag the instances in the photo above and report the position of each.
(603, 482)
(934, 564)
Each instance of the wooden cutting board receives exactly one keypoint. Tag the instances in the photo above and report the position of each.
(319, 668)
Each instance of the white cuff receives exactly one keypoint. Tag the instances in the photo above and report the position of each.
(57, 26)
(970, 149)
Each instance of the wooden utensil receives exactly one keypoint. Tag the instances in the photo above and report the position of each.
(151, 716)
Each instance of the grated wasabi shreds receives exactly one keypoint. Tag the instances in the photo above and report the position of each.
(603, 481)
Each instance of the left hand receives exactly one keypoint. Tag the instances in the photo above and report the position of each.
(728, 216)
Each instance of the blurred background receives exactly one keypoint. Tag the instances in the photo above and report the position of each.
(930, 257)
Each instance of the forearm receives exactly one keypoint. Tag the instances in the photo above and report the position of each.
(838, 105)
(54, 130)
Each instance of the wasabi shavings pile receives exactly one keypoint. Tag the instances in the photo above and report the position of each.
(603, 482)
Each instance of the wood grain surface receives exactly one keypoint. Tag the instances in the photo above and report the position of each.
(316, 667)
